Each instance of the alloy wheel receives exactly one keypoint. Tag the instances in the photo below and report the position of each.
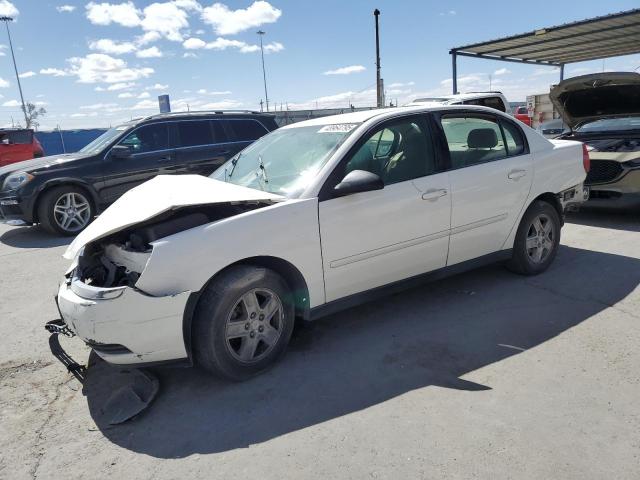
(72, 212)
(254, 325)
(540, 238)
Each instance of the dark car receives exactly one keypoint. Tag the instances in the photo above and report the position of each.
(64, 192)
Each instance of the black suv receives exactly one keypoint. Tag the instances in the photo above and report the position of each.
(64, 192)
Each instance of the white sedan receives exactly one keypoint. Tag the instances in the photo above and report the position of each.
(312, 218)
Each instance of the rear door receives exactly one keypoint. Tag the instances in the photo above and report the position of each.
(151, 154)
(490, 173)
(203, 145)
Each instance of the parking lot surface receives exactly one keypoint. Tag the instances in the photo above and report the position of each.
(483, 375)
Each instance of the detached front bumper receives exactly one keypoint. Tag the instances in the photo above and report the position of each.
(124, 325)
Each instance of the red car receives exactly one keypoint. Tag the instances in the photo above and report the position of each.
(522, 114)
(18, 144)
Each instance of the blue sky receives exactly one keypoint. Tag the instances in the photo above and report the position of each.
(97, 63)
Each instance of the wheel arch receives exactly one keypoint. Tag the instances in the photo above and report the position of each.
(61, 182)
(289, 272)
(552, 199)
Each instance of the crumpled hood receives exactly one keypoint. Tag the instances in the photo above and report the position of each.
(596, 96)
(159, 195)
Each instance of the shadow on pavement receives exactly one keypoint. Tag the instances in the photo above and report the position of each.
(32, 237)
(428, 336)
(607, 217)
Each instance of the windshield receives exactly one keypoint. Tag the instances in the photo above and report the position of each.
(285, 161)
(610, 124)
(103, 140)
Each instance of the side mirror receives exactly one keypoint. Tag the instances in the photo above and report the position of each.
(121, 152)
(358, 181)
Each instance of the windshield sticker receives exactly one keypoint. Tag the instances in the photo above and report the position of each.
(338, 128)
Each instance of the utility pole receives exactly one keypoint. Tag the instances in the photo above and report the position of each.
(380, 100)
(264, 73)
(6, 21)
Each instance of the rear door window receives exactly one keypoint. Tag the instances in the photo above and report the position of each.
(494, 102)
(473, 140)
(246, 130)
(513, 138)
(195, 133)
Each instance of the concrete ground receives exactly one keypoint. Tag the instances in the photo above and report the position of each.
(484, 375)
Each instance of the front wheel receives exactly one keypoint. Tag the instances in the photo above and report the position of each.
(243, 322)
(65, 210)
(537, 240)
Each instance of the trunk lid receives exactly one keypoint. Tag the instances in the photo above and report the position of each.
(596, 96)
(159, 195)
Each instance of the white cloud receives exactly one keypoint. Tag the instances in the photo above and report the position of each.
(4, 83)
(400, 84)
(449, 12)
(8, 9)
(65, 8)
(204, 91)
(12, 103)
(165, 18)
(98, 67)
(125, 14)
(147, 37)
(106, 45)
(121, 86)
(189, 55)
(151, 52)
(546, 71)
(365, 98)
(221, 43)
(145, 105)
(126, 95)
(55, 72)
(502, 71)
(229, 22)
(28, 74)
(346, 70)
(221, 105)
(157, 86)
(144, 95)
(98, 106)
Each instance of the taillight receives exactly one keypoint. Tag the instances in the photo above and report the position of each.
(586, 161)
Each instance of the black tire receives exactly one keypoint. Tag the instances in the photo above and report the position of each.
(52, 222)
(221, 311)
(525, 260)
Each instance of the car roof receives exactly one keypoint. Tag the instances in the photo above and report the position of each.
(177, 116)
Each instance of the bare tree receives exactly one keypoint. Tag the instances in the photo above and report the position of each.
(33, 113)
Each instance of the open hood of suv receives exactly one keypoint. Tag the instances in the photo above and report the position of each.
(600, 95)
(159, 195)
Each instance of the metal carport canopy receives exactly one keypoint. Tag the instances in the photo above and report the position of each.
(599, 37)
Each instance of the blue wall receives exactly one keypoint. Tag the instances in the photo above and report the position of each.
(74, 140)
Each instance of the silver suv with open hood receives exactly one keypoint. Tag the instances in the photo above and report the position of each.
(603, 111)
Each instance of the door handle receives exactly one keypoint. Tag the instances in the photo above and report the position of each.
(434, 194)
(516, 174)
(166, 158)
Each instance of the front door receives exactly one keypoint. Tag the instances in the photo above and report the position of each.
(374, 238)
(151, 155)
(491, 174)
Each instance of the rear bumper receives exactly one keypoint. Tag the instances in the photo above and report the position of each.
(123, 325)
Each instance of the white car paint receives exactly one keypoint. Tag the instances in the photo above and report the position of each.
(341, 246)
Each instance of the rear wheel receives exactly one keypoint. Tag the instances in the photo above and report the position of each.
(537, 240)
(65, 210)
(243, 322)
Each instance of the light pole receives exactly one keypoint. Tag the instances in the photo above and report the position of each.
(6, 21)
(264, 73)
(379, 94)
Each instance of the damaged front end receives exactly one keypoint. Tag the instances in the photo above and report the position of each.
(100, 302)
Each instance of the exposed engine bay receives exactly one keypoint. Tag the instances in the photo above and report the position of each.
(119, 259)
